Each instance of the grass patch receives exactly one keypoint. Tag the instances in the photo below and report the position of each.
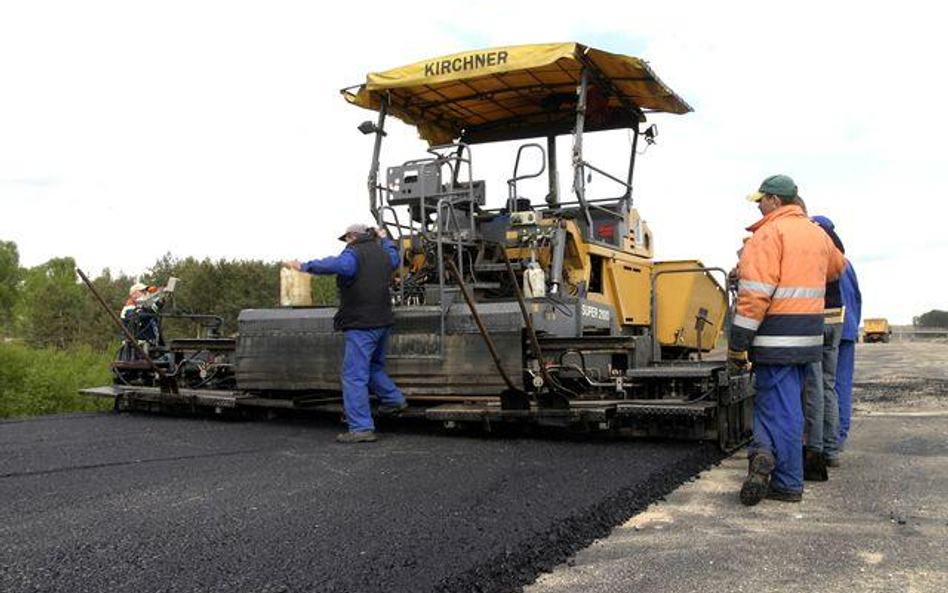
(35, 382)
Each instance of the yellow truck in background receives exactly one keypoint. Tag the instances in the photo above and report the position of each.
(876, 330)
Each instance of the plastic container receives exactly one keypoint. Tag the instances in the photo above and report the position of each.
(296, 290)
(534, 282)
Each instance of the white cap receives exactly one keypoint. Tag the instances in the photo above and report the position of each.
(354, 229)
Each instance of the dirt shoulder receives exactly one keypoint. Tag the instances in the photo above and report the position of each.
(879, 524)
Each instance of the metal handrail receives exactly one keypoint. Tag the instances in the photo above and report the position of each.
(512, 182)
(604, 174)
(444, 310)
(560, 205)
(401, 248)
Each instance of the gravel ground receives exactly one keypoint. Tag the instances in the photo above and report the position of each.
(879, 524)
(100, 502)
(904, 376)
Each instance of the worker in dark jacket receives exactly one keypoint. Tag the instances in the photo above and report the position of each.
(822, 404)
(778, 326)
(852, 301)
(363, 274)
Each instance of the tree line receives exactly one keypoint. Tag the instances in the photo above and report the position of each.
(47, 306)
(934, 318)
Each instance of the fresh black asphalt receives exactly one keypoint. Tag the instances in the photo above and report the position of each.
(123, 502)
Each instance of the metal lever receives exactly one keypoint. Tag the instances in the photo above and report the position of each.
(552, 398)
(512, 398)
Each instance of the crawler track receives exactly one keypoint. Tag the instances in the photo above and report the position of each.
(134, 503)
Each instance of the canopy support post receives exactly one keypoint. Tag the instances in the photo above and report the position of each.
(635, 149)
(373, 180)
(552, 198)
(579, 177)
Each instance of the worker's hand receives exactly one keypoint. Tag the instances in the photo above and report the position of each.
(293, 264)
(734, 276)
(737, 361)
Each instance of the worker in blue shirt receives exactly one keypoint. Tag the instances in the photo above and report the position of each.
(363, 275)
(852, 300)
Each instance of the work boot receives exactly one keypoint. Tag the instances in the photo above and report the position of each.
(391, 410)
(783, 495)
(831, 461)
(362, 436)
(814, 466)
(757, 483)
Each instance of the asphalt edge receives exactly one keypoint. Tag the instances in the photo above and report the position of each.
(519, 566)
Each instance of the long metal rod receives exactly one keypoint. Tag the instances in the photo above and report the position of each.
(635, 148)
(163, 377)
(453, 269)
(552, 198)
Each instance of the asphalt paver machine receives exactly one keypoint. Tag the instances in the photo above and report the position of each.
(547, 310)
(550, 311)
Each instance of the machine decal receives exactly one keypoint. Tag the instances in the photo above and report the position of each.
(595, 312)
(441, 67)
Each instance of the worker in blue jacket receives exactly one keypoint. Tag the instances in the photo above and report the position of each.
(852, 300)
(363, 275)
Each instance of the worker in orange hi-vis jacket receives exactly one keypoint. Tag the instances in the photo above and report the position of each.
(138, 293)
(778, 326)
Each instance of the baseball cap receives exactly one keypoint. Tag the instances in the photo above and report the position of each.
(777, 185)
(355, 229)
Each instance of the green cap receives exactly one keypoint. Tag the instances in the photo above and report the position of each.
(779, 185)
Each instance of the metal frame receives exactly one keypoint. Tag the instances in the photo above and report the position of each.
(445, 218)
(447, 226)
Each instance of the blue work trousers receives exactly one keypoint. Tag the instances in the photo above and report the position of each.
(363, 370)
(822, 404)
(778, 421)
(844, 388)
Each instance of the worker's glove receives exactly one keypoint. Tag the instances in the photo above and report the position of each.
(737, 361)
(733, 279)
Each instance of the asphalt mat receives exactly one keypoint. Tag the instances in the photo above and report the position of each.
(123, 502)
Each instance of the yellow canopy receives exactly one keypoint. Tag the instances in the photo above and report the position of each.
(514, 92)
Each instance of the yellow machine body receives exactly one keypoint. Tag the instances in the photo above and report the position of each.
(681, 299)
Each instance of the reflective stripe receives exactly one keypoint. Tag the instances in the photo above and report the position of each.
(797, 292)
(746, 322)
(767, 289)
(787, 341)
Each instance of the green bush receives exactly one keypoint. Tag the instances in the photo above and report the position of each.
(47, 381)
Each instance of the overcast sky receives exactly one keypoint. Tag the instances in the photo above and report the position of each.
(215, 129)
